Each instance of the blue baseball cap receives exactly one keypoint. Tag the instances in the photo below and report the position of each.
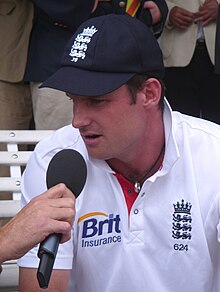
(104, 53)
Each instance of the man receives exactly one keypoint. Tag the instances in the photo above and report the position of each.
(148, 216)
(48, 213)
(188, 46)
(16, 19)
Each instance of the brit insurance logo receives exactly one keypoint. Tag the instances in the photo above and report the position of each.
(99, 229)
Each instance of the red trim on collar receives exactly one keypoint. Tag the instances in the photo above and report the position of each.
(128, 191)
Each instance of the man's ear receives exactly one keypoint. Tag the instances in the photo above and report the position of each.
(151, 92)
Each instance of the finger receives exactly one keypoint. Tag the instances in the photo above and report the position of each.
(65, 237)
(207, 21)
(181, 17)
(209, 10)
(58, 191)
(184, 22)
(49, 226)
(63, 228)
(58, 227)
(197, 19)
(204, 14)
(62, 214)
(187, 14)
(149, 5)
(181, 12)
(68, 202)
(40, 213)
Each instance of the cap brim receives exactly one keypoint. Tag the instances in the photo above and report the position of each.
(87, 83)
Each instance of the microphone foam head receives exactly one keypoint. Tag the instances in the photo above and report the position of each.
(67, 166)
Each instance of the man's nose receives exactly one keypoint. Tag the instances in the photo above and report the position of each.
(80, 116)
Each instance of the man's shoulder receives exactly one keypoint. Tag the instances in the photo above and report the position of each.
(195, 127)
(63, 138)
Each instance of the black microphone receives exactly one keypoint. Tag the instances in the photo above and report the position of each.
(67, 166)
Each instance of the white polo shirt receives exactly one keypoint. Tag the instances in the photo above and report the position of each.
(170, 241)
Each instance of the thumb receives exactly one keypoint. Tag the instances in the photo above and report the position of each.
(58, 191)
(149, 5)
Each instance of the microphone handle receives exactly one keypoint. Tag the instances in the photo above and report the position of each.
(47, 254)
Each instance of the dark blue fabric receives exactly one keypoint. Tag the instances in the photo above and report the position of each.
(54, 23)
(104, 53)
(142, 14)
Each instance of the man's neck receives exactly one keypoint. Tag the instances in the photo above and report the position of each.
(143, 163)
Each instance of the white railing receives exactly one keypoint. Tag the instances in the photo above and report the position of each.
(15, 159)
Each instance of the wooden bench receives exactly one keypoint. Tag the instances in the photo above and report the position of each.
(15, 160)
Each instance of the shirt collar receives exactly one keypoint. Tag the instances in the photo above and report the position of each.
(171, 148)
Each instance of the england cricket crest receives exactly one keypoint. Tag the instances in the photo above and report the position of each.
(80, 44)
(181, 228)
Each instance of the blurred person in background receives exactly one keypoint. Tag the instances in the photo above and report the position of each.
(188, 45)
(15, 98)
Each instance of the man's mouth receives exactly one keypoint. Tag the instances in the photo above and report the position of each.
(91, 138)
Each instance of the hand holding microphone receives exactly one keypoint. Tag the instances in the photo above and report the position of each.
(34, 222)
(68, 167)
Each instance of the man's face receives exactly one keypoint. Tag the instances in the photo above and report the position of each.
(110, 125)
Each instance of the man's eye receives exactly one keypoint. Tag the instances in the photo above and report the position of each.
(97, 101)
